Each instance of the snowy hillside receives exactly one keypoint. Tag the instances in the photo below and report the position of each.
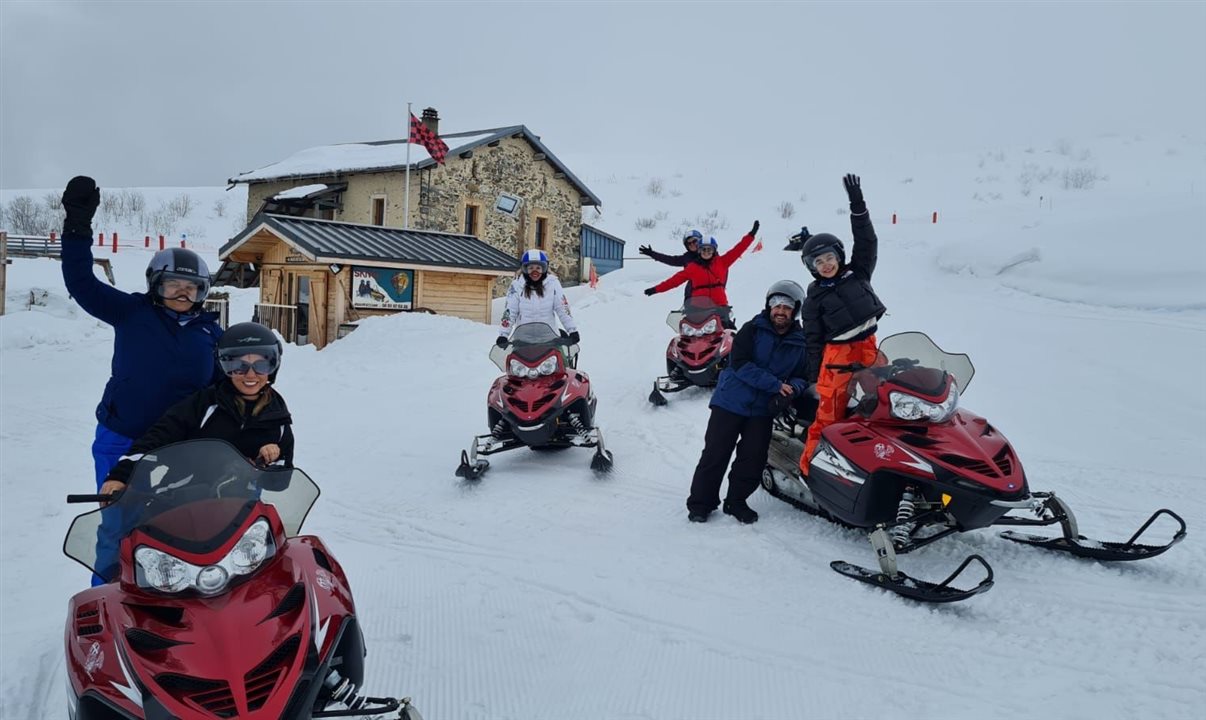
(543, 591)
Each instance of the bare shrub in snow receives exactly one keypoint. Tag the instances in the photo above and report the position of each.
(27, 216)
(1080, 178)
(121, 206)
(181, 205)
(1063, 146)
(655, 187)
(711, 222)
(219, 208)
(645, 223)
(786, 210)
(906, 181)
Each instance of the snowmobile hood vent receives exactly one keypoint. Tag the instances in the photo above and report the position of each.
(144, 641)
(292, 600)
(212, 695)
(263, 678)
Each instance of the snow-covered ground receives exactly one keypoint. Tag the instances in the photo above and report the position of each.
(543, 591)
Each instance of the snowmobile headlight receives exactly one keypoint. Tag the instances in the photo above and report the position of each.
(518, 369)
(548, 367)
(911, 407)
(167, 573)
(160, 571)
(708, 328)
(688, 330)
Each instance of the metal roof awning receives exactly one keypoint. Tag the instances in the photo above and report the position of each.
(329, 241)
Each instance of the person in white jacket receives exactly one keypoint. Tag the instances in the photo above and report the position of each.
(536, 296)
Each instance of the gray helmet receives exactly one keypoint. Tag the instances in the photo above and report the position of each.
(791, 289)
(179, 264)
(818, 245)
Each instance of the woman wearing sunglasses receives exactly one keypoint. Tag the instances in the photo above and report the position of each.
(243, 409)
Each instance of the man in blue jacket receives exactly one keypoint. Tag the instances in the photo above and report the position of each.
(766, 373)
(163, 344)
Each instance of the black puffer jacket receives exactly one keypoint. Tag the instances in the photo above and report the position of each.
(834, 307)
(217, 412)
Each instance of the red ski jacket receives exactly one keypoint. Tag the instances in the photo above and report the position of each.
(708, 280)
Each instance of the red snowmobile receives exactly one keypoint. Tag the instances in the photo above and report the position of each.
(699, 352)
(542, 401)
(215, 606)
(912, 467)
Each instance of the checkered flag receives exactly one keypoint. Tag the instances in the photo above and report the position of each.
(420, 134)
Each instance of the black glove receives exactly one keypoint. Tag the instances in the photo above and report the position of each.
(854, 191)
(501, 341)
(754, 230)
(645, 250)
(779, 403)
(575, 337)
(80, 200)
(650, 291)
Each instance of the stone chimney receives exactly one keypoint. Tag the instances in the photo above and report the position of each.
(431, 119)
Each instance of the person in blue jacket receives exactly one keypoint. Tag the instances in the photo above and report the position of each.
(766, 373)
(163, 343)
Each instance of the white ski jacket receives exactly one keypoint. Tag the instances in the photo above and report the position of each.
(522, 309)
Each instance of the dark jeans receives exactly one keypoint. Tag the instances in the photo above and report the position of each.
(751, 436)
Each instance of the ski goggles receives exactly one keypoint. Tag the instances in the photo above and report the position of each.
(240, 365)
(826, 257)
(169, 288)
(776, 300)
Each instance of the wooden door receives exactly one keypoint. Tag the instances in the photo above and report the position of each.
(319, 332)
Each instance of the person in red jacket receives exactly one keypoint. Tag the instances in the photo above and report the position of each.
(709, 272)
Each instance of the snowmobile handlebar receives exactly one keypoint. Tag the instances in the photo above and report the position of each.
(99, 497)
(852, 367)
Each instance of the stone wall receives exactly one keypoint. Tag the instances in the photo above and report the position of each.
(439, 196)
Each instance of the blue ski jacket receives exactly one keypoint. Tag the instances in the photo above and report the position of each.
(761, 361)
(157, 361)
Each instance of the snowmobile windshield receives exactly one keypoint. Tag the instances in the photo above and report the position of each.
(192, 495)
(913, 360)
(696, 311)
(530, 341)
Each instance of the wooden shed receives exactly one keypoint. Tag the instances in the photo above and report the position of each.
(317, 277)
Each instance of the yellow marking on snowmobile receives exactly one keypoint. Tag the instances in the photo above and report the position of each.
(946, 499)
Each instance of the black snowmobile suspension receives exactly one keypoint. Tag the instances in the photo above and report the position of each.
(575, 421)
(345, 692)
(902, 528)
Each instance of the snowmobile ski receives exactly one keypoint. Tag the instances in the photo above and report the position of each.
(915, 589)
(602, 460)
(472, 468)
(1082, 546)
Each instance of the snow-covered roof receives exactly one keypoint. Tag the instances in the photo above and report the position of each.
(299, 192)
(384, 155)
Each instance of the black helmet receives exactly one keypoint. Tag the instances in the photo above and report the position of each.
(180, 264)
(693, 236)
(818, 245)
(789, 288)
(249, 338)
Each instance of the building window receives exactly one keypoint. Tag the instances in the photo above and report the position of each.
(541, 230)
(473, 215)
(379, 211)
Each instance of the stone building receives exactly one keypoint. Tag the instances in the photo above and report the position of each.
(500, 185)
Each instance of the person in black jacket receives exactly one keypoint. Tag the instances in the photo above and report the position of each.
(764, 376)
(841, 312)
(244, 410)
(691, 242)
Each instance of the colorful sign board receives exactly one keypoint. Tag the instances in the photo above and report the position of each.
(382, 288)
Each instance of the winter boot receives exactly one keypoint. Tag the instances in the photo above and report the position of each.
(738, 509)
(699, 516)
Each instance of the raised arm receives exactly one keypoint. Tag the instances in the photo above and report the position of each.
(865, 253)
(101, 301)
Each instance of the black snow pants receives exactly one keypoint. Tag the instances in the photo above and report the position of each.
(751, 436)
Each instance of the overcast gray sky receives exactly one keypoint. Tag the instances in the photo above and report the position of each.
(192, 93)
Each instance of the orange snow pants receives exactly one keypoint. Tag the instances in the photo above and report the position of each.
(831, 387)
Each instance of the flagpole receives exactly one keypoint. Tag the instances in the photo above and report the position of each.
(406, 202)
